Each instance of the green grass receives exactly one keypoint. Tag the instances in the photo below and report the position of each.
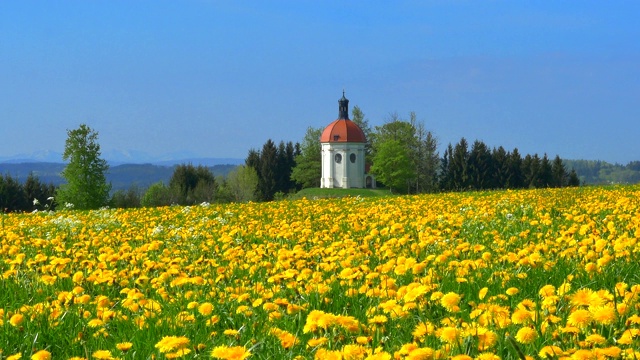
(318, 193)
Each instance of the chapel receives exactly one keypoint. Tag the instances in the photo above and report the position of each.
(343, 153)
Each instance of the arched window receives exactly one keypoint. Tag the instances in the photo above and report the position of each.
(352, 157)
(338, 158)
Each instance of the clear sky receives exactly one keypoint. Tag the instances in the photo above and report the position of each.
(217, 78)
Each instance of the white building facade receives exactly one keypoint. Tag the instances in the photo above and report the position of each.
(343, 153)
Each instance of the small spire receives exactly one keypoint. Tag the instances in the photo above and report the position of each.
(343, 107)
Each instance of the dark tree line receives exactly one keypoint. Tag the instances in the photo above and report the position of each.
(28, 196)
(481, 168)
(273, 166)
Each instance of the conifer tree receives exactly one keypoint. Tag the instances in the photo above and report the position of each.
(458, 163)
(545, 176)
(515, 177)
(560, 175)
(500, 167)
(268, 171)
(480, 166)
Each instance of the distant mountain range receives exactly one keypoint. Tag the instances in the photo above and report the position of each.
(121, 177)
(126, 168)
(119, 157)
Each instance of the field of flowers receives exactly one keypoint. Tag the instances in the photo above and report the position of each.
(533, 274)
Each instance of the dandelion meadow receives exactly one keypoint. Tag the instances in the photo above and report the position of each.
(537, 274)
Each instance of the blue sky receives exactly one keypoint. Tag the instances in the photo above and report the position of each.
(217, 78)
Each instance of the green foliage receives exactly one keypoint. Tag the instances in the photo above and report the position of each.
(241, 184)
(273, 166)
(602, 172)
(480, 167)
(459, 163)
(130, 198)
(308, 165)
(357, 116)
(156, 195)
(12, 195)
(86, 186)
(392, 165)
(38, 194)
(268, 166)
(419, 148)
(559, 173)
(30, 196)
(191, 185)
(427, 159)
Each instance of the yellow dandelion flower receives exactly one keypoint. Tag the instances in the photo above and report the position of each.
(482, 293)
(317, 342)
(231, 332)
(583, 354)
(579, 318)
(611, 352)
(603, 314)
(323, 354)
(178, 353)
(41, 355)
(449, 334)
(461, 357)
(171, 343)
(287, 339)
(124, 346)
(151, 305)
(521, 316)
(16, 319)
(550, 352)
(415, 293)
(622, 308)
(547, 290)
(420, 353)
(95, 323)
(583, 297)
(526, 335)
(14, 357)
(48, 280)
(450, 301)
(379, 356)
(102, 354)
(512, 291)
(486, 338)
(488, 356)
(354, 352)
(378, 319)
(570, 330)
(422, 329)
(230, 353)
(633, 319)
(595, 339)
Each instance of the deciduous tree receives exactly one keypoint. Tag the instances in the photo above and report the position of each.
(241, 183)
(308, 165)
(86, 186)
(393, 166)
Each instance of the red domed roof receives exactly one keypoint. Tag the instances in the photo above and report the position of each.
(343, 130)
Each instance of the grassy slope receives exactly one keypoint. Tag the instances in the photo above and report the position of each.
(311, 193)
